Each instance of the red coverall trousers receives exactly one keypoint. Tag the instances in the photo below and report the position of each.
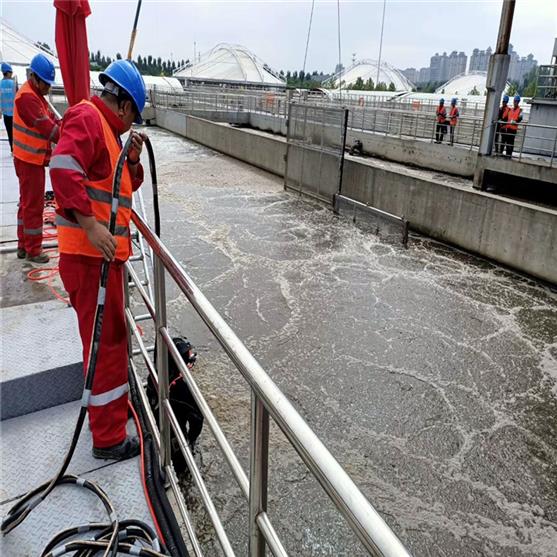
(31, 206)
(108, 408)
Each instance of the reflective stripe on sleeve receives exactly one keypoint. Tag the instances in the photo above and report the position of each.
(66, 162)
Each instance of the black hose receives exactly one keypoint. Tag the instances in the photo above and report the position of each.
(153, 170)
(155, 483)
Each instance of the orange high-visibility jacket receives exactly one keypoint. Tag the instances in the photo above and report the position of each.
(454, 115)
(71, 237)
(441, 114)
(513, 114)
(30, 145)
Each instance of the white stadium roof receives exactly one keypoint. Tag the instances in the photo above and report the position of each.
(17, 49)
(464, 83)
(367, 69)
(230, 63)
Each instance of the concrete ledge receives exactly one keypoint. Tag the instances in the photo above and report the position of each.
(532, 171)
(516, 234)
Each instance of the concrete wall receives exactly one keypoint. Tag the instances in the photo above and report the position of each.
(513, 233)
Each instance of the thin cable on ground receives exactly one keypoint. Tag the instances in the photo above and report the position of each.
(49, 273)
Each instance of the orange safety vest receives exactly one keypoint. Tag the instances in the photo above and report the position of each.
(513, 114)
(71, 237)
(441, 114)
(454, 114)
(30, 145)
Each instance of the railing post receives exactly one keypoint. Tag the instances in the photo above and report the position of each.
(259, 461)
(127, 305)
(162, 359)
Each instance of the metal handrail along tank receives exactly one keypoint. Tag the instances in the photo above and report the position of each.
(267, 400)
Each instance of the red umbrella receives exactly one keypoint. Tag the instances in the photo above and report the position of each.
(71, 44)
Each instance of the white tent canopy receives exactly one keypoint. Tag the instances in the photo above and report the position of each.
(463, 84)
(367, 69)
(228, 63)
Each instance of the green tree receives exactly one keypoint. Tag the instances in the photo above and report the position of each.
(118, 56)
(512, 89)
(381, 86)
(392, 86)
(530, 83)
(369, 86)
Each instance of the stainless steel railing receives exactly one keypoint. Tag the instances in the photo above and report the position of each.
(531, 143)
(546, 87)
(266, 401)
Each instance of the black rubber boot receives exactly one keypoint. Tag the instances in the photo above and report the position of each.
(21, 253)
(128, 448)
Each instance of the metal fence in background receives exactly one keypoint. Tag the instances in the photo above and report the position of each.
(411, 125)
(315, 145)
(547, 82)
(530, 143)
(192, 101)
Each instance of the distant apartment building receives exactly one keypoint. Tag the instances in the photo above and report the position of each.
(457, 62)
(411, 74)
(520, 67)
(443, 67)
(479, 60)
(424, 75)
(438, 67)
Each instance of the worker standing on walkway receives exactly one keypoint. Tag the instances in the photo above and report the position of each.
(454, 115)
(510, 129)
(441, 127)
(501, 118)
(8, 90)
(82, 170)
(34, 129)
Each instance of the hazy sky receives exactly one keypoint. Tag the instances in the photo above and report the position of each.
(277, 30)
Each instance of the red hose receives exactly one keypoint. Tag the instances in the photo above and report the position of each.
(49, 273)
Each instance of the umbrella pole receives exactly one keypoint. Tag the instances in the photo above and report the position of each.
(134, 30)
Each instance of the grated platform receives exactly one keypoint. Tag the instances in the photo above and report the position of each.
(40, 357)
(32, 449)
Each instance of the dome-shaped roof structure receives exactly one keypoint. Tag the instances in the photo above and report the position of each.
(228, 63)
(367, 69)
(18, 51)
(465, 84)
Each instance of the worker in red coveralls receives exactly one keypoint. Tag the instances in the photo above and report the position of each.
(81, 170)
(34, 129)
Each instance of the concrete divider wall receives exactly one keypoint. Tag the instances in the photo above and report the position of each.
(515, 234)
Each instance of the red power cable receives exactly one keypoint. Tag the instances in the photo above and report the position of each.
(49, 273)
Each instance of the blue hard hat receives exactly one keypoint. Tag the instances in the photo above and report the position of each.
(453, 100)
(505, 98)
(6, 67)
(517, 98)
(441, 100)
(43, 68)
(127, 76)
